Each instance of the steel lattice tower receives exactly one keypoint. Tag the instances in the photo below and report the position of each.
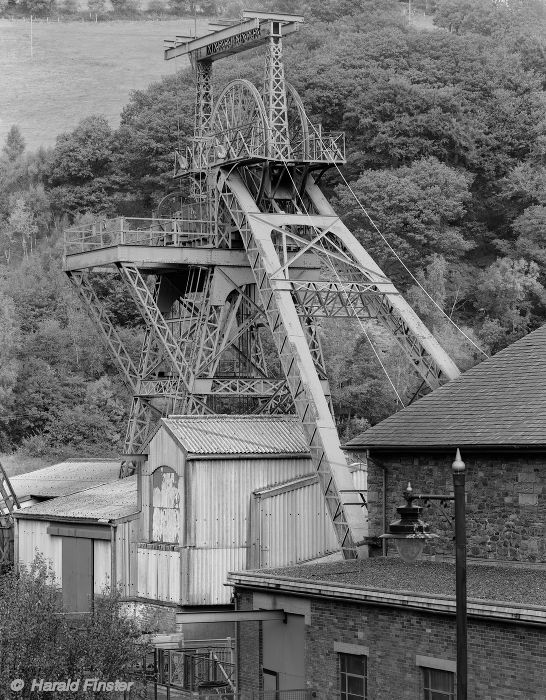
(258, 251)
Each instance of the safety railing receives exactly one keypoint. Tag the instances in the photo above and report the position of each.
(326, 148)
(297, 694)
(183, 231)
(248, 143)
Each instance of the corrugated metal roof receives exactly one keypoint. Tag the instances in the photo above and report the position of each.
(110, 501)
(66, 477)
(500, 402)
(228, 434)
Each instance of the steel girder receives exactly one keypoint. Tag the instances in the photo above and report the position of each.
(388, 306)
(299, 368)
(351, 285)
(142, 414)
(81, 281)
(275, 99)
(154, 318)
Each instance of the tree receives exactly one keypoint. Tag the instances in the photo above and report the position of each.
(80, 172)
(126, 7)
(14, 145)
(68, 7)
(22, 226)
(418, 209)
(96, 7)
(10, 338)
(504, 291)
(530, 228)
(154, 124)
(37, 8)
(38, 641)
(459, 16)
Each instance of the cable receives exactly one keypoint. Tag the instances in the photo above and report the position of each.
(332, 267)
(410, 273)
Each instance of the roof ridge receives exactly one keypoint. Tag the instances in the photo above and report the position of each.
(234, 417)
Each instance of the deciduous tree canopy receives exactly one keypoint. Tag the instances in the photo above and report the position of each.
(446, 138)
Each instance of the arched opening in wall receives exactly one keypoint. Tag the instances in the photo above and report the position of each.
(165, 520)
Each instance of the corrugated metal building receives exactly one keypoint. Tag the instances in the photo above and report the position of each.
(213, 494)
(201, 486)
(89, 537)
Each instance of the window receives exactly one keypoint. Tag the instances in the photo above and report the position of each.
(438, 684)
(353, 676)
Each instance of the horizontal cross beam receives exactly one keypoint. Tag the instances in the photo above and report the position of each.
(227, 41)
(229, 616)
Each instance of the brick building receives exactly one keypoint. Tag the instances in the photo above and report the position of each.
(384, 629)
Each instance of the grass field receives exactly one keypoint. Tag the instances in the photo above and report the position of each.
(18, 463)
(77, 69)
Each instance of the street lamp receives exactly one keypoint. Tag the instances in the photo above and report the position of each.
(410, 534)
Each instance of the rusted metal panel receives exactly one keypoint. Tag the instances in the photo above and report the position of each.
(166, 500)
(102, 566)
(163, 491)
(294, 525)
(219, 495)
(33, 537)
(208, 572)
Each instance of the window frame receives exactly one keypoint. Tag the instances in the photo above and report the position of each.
(344, 692)
(427, 692)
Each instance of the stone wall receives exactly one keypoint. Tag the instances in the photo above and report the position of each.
(506, 503)
(151, 618)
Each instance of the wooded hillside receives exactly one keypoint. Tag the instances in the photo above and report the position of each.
(446, 137)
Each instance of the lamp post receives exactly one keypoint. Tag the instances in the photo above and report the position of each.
(410, 534)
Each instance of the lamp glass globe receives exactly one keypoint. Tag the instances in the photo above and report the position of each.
(409, 548)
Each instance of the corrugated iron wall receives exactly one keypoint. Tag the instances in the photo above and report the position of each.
(292, 525)
(33, 536)
(102, 565)
(207, 569)
(219, 495)
(187, 576)
(159, 573)
(127, 535)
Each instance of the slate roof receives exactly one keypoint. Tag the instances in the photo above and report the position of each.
(508, 584)
(230, 434)
(111, 501)
(64, 478)
(498, 403)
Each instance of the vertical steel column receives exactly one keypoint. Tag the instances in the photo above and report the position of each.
(458, 468)
(275, 97)
(203, 99)
(203, 112)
